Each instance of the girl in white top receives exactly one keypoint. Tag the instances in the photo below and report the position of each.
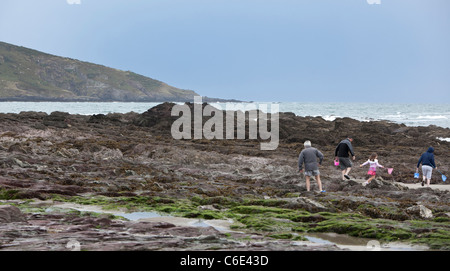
(373, 165)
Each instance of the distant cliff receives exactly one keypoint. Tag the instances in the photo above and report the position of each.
(30, 75)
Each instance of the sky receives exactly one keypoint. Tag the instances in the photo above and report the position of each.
(388, 51)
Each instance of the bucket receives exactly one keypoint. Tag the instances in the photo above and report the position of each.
(390, 170)
(336, 163)
(416, 175)
(444, 178)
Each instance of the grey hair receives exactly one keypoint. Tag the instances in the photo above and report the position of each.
(307, 143)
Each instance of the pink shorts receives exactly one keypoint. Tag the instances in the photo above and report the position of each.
(372, 173)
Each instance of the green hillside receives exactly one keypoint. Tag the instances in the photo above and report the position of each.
(30, 75)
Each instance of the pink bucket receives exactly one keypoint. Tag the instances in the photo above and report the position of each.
(336, 162)
(390, 170)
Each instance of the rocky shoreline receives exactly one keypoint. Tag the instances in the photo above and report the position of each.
(131, 162)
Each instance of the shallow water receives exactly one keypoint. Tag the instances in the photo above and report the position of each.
(344, 241)
(218, 224)
(139, 215)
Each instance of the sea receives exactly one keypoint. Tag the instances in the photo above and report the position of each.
(408, 114)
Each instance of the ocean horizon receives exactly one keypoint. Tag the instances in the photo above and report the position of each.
(402, 113)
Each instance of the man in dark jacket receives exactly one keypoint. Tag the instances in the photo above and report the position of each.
(309, 157)
(342, 154)
(427, 161)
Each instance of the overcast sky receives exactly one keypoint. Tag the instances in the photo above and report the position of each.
(253, 50)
